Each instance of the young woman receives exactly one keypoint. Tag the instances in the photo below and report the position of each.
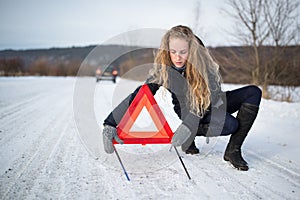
(184, 66)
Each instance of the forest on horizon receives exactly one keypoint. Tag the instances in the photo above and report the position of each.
(235, 62)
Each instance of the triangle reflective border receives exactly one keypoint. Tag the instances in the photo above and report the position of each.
(144, 98)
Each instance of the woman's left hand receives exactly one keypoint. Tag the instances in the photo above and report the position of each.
(181, 135)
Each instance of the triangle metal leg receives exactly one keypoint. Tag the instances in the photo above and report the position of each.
(186, 171)
(124, 170)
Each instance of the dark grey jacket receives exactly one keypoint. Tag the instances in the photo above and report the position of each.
(177, 85)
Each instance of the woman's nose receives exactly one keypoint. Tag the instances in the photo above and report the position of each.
(178, 55)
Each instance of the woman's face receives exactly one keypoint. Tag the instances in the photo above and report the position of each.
(179, 51)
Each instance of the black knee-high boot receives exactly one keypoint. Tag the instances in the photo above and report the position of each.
(202, 131)
(245, 117)
(192, 149)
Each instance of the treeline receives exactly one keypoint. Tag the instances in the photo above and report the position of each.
(39, 67)
(279, 66)
(43, 62)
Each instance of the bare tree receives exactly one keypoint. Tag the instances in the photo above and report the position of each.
(281, 17)
(266, 22)
(254, 30)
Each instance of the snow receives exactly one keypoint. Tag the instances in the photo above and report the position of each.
(50, 148)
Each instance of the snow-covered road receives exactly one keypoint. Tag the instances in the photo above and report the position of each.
(42, 155)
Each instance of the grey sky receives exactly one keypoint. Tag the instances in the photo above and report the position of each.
(28, 24)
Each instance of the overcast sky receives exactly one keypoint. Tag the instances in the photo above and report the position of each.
(29, 24)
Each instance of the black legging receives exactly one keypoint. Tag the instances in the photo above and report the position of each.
(234, 99)
(249, 94)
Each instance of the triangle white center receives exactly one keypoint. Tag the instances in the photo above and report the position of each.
(144, 122)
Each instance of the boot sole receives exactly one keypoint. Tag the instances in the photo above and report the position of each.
(192, 153)
(240, 168)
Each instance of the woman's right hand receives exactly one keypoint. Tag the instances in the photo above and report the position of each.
(110, 133)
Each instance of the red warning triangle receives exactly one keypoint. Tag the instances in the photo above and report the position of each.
(144, 98)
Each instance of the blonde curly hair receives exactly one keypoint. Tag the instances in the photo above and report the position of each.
(199, 64)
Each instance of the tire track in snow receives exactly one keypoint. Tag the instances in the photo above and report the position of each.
(275, 177)
(19, 138)
(14, 109)
(248, 188)
(23, 168)
(289, 178)
(8, 124)
(278, 169)
(34, 117)
(26, 175)
(233, 181)
(45, 174)
(205, 172)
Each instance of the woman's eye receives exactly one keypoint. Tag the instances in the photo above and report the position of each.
(183, 52)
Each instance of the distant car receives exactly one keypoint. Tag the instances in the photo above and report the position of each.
(108, 74)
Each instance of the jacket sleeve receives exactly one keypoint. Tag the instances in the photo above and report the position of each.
(116, 115)
(217, 96)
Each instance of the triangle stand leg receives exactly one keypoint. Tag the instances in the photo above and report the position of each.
(124, 170)
(187, 173)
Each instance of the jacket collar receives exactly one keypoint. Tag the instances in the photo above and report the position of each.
(181, 70)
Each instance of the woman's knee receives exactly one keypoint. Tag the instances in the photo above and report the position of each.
(254, 90)
(254, 94)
